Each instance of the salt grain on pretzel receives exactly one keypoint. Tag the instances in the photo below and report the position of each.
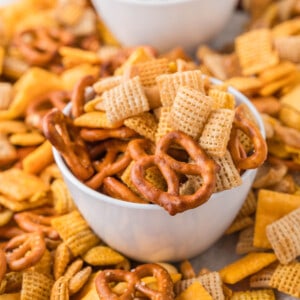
(171, 200)
(25, 250)
(60, 131)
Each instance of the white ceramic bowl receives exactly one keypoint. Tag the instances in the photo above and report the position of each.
(165, 24)
(146, 232)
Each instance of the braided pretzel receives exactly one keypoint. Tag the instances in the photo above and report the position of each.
(134, 282)
(33, 221)
(39, 45)
(111, 163)
(259, 154)
(24, 251)
(3, 265)
(169, 167)
(64, 136)
(94, 135)
(119, 190)
(38, 107)
(78, 95)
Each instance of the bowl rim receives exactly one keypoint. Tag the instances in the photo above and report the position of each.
(118, 202)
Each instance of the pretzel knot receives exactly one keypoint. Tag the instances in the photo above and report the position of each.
(135, 284)
(32, 222)
(37, 108)
(243, 160)
(64, 136)
(39, 45)
(24, 251)
(171, 200)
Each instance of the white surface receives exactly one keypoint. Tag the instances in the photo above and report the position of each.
(7, 2)
(165, 24)
(146, 232)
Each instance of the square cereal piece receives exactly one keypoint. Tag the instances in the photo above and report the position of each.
(284, 236)
(265, 294)
(168, 84)
(20, 186)
(190, 111)
(216, 132)
(125, 100)
(228, 176)
(144, 124)
(255, 51)
(164, 124)
(244, 244)
(286, 279)
(106, 83)
(222, 99)
(149, 70)
(271, 206)
(239, 223)
(262, 278)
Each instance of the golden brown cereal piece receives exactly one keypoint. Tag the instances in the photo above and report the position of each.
(5, 216)
(148, 70)
(33, 138)
(60, 289)
(95, 104)
(38, 159)
(239, 223)
(50, 173)
(169, 83)
(190, 111)
(13, 126)
(271, 206)
(253, 295)
(105, 84)
(8, 153)
(125, 100)
(164, 123)
(211, 281)
(267, 105)
(79, 279)
(62, 258)
(6, 94)
(286, 279)
(186, 269)
(290, 99)
(216, 132)
(102, 256)
(276, 72)
(194, 291)
(262, 278)
(20, 185)
(62, 199)
(249, 205)
(245, 266)
(75, 56)
(144, 124)
(44, 265)
(13, 281)
(289, 116)
(222, 99)
(96, 119)
(255, 51)
(284, 237)
(36, 286)
(245, 241)
(247, 85)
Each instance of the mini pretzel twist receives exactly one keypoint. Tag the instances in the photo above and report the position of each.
(94, 135)
(171, 200)
(135, 284)
(3, 265)
(111, 164)
(24, 251)
(260, 151)
(78, 95)
(39, 45)
(164, 282)
(64, 136)
(38, 107)
(32, 222)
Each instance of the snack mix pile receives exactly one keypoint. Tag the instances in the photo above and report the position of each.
(151, 128)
